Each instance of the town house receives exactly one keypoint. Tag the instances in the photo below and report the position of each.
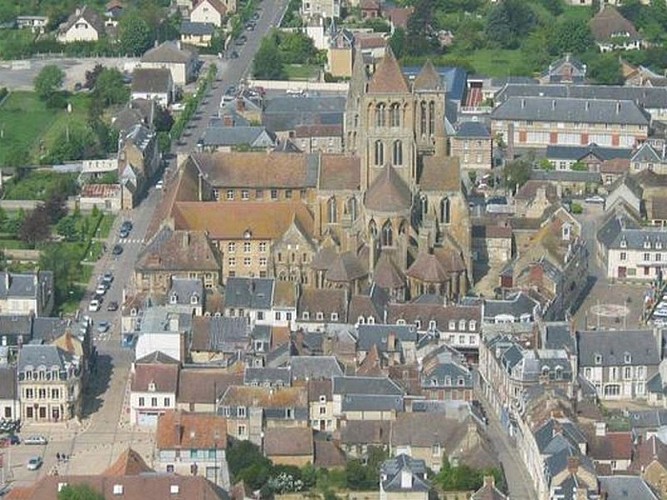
(153, 389)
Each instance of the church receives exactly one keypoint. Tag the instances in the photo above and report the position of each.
(390, 211)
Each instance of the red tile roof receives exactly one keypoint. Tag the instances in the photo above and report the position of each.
(178, 429)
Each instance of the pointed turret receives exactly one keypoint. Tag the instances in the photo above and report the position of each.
(428, 78)
(388, 77)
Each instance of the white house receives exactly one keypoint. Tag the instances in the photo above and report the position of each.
(637, 254)
(24, 294)
(263, 301)
(208, 11)
(153, 389)
(84, 25)
(154, 84)
(161, 330)
(181, 62)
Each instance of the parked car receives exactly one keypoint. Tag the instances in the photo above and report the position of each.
(38, 439)
(127, 225)
(234, 55)
(117, 250)
(159, 184)
(101, 289)
(107, 278)
(12, 439)
(124, 233)
(113, 306)
(94, 305)
(103, 326)
(34, 463)
(594, 199)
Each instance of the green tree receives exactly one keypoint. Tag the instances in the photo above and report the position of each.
(109, 87)
(134, 34)
(296, 48)
(48, 81)
(79, 492)
(397, 42)
(91, 76)
(579, 166)
(35, 227)
(67, 228)
(605, 69)
(509, 22)
(418, 40)
(469, 35)
(572, 35)
(516, 173)
(244, 454)
(545, 164)
(268, 63)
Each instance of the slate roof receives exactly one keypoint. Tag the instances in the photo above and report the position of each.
(635, 239)
(25, 285)
(454, 77)
(197, 29)
(391, 474)
(369, 386)
(249, 293)
(33, 356)
(315, 367)
(619, 487)
(264, 375)
(516, 305)
(219, 333)
(612, 346)
(445, 368)
(558, 336)
(156, 368)
(646, 97)
(8, 389)
(578, 152)
(646, 154)
(473, 129)
(253, 136)
(613, 225)
(14, 325)
(552, 429)
(566, 176)
(167, 52)
(151, 80)
(286, 113)
(571, 110)
(388, 192)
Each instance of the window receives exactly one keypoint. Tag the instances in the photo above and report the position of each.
(380, 115)
(422, 118)
(587, 373)
(259, 194)
(334, 316)
(230, 194)
(305, 315)
(323, 410)
(387, 235)
(431, 118)
(274, 194)
(247, 261)
(245, 195)
(432, 325)
(262, 262)
(279, 316)
(288, 194)
(627, 373)
(241, 431)
(332, 212)
(29, 394)
(624, 255)
(658, 257)
(154, 402)
(627, 358)
(598, 359)
(240, 412)
(395, 115)
(41, 393)
(167, 402)
(216, 195)
(647, 257)
(319, 316)
(246, 247)
(452, 324)
(472, 324)
(231, 261)
(379, 153)
(231, 246)
(55, 393)
(397, 155)
(262, 246)
(444, 211)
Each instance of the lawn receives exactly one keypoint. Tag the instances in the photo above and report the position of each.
(35, 185)
(23, 121)
(75, 119)
(15, 44)
(499, 63)
(301, 71)
(105, 225)
(576, 12)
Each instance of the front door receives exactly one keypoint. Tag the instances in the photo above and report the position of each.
(42, 412)
(622, 272)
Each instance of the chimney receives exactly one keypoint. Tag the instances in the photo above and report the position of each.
(8, 280)
(572, 465)
(618, 107)
(391, 342)
(588, 105)
(523, 103)
(178, 430)
(240, 104)
(558, 428)
(228, 120)
(77, 12)
(186, 239)
(178, 44)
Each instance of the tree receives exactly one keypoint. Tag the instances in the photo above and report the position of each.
(244, 454)
(56, 207)
(510, 21)
(469, 35)
(134, 34)
(68, 229)
(553, 6)
(605, 69)
(517, 173)
(91, 76)
(268, 63)
(296, 48)
(162, 119)
(579, 166)
(397, 42)
(109, 87)
(498, 29)
(35, 227)
(79, 492)
(418, 40)
(48, 81)
(572, 35)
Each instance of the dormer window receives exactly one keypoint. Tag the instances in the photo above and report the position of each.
(240, 412)
(452, 324)
(647, 243)
(472, 325)
(432, 325)
(133, 311)
(566, 231)
(305, 315)
(173, 299)
(462, 325)
(448, 381)
(418, 324)
(624, 243)
(151, 387)
(658, 245)
(598, 359)
(461, 381)
(194, 299)
(319, 316)
(334, 316)
(371, 320)
(400, 321)
(627, 358)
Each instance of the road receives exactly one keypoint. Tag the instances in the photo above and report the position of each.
(232, 71)
(104, 431)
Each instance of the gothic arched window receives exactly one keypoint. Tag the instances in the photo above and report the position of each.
(431, 118)
(331, 210)
(422, 118)
(387, 235)
(397, 155)
(379, 153)
(395, 115)
(380, 115)
(445, 211)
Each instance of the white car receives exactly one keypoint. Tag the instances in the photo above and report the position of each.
(594, 199)
(94, 305)
(35, 440)
(100, 290)
(34, 463)
(159, 185)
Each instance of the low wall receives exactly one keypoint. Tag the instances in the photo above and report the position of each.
(290, 85)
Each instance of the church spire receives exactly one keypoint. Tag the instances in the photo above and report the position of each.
(388, 77)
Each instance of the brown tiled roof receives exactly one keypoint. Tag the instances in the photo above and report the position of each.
(369, 4)
(388, 192)
(427, 429)
(371, 366)
(318, 130)
(399, 16)
(649, 451)
(450, 259)
(529, 190)
(216, 4)
(612, 446)
(428, 78)
(167, 52)
(488, 491)
(231, 220)
(324, 258)
(284, 294)
(439, 313)
(362, 305)
(365, 41)
(264, 397)
(178, 251)
(289, 442)
(441, 173)
(371, 432)
(151, 80)
(164, 376)
(339, 172)
(317, 388)
(345, 268)
(427, 268)
(129, 463)
(492, 231)
(388, 77)
(141, 487)
(609, 22)
(100, 190)
(387, 275)
(324, 300)
(648, 179)
(178, 429)
(658, 208)
(203, 385)
(255, 170)
(280, 335)
(329, 455)
(87, 13)
(615, 166)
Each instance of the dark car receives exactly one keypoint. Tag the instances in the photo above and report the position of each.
(234, 55)
(127, 224)
(124, 233)
(117, 250)
(113, 306)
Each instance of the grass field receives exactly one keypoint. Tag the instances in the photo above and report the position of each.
(29, 128)
(301, 71)
(499, 63)
(15, 43)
